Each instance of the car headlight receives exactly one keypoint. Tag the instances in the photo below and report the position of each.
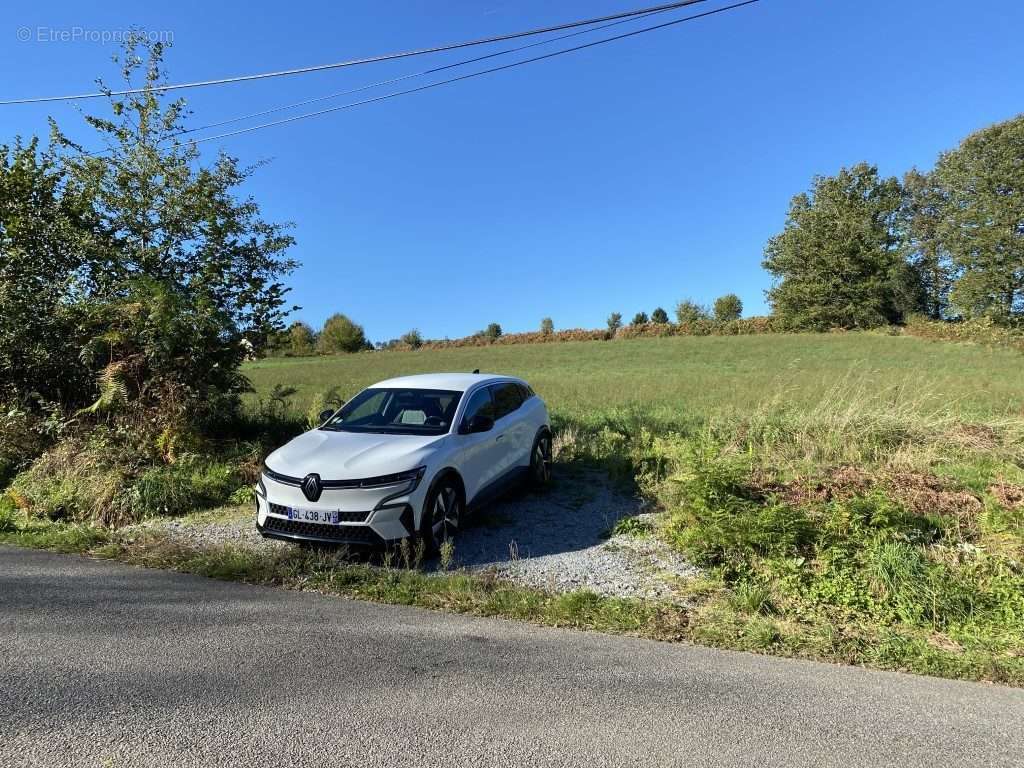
(412, 476)
(406, 483)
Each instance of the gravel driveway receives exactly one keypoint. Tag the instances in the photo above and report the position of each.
(557, 540)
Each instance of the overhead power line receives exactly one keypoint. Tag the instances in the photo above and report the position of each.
(408, 91)
(354, 62)
(401, 78)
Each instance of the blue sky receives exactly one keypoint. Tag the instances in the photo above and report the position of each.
(619, 178)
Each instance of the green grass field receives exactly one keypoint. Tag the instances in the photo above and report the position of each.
(686, 378)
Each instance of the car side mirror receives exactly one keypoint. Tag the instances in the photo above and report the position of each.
(325, 415)
(479, 423)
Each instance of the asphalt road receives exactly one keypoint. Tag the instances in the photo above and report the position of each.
(107, 665)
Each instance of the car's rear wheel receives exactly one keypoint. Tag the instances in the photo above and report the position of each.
(442, 514)
(540, 461)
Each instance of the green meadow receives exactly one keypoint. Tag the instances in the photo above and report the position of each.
(682, 378)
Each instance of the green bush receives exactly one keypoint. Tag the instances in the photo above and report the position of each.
(717, 519)
(983, 330)
(8, 514)
(340, 334)
(728, 308)
(102, 481)
(689, 312)
(176, 489)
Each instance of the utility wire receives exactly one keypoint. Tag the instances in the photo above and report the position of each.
(354, 62)
(470, 75)
(411, 75)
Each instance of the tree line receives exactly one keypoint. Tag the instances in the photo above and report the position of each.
(341, 334)
(859, 250)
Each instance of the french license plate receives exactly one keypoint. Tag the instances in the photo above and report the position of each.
(313, 516)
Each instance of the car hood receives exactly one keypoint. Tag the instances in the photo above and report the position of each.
(350, 455)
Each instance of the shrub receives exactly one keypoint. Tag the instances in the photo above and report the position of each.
(175, 489)
(47, 235)
(412, 339)
(492, 332)
(984, 330)
(301, 339)
(8, 514)
(547, 326)
(690, 313)
(715, 518)
(77, 479)
(340, 334)
(640, 318)
(659, 315)
(728, 308)
(105, 478)
(24, 435)
(614, 322)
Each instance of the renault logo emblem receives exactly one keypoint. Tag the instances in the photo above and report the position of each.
(311, 487)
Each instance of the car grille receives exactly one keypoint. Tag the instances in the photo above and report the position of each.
(345, 517)
(348, 534)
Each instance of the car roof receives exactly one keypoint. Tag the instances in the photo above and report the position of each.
(458, 382)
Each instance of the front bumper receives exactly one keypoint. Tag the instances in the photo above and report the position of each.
(368, 517)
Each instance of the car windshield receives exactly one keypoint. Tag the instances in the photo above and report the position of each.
(397, 412)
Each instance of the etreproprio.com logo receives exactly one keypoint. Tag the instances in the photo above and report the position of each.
(76, 34)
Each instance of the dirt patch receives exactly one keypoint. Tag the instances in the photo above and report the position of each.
(840, 483)
(976, 437)
(928, 494)
(1009, 495)
(945, 643)
(920, 493)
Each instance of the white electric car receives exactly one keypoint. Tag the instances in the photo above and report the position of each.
(407, 457)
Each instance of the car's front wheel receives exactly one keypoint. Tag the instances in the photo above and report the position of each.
(442, 514)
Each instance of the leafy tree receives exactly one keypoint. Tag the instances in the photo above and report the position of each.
(983, 221)
(728, 308)
(492, 331)
(614, 322)
(340, 334)
(48, 236)
(547, 326)
(640, 318)
(659, 315)
(301, 339)
(838, 263)
(412, 339)
(924, 205)
(192, 271)
(688, 311)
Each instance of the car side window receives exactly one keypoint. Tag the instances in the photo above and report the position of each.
(480, 404)
(527, 392)
(507, 398)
